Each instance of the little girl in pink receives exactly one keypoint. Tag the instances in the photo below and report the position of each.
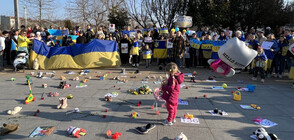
(171, 90)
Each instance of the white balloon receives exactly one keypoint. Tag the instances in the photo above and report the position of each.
(236, 54)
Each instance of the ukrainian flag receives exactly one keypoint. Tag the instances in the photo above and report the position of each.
(195, 43)
(291, 74)
(145, 31)
(13, 46)
(215, 48)
(163, 31)
(147, 55)
(97, 53)
(73, 38)
(206, 47)
(160, 50)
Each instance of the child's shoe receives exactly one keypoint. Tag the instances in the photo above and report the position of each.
(167, 123)
(60, 103)
(133, 65)
(254, 78)
(174, 121)
(262, 80)
(276, 75)
(280, 76)
(64, 103)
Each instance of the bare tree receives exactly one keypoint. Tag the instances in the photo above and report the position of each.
(92, 12)
(137, 11)
(79, 10)
(38, 8)
(162, 12)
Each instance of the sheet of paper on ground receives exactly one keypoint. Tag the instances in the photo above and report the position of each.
(192, 121)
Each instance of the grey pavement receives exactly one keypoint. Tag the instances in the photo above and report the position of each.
(275, 97)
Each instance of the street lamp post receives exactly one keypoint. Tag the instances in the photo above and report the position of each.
(25, 16)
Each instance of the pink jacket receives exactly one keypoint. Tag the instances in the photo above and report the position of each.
(171, 91)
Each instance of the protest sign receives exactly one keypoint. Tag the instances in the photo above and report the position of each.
(266, 45)
(184, 21)
(148, 40)
(124, 48)
(169, 43)
(111, 28)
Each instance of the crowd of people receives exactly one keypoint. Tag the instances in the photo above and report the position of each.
(135, 49)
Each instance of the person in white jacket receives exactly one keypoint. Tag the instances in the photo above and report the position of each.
(2, 47)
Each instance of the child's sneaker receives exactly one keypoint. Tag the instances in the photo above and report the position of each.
(262, 80)
(280, 76)
(174, 121)
(167, 123)
(276, 75)
(254, 78)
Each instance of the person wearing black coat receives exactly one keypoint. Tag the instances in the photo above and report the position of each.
(7, 47)
(124, 54)
(81, 39)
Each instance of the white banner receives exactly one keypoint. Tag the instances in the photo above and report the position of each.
(184, 21)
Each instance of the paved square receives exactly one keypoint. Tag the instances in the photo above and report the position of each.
(275, 97)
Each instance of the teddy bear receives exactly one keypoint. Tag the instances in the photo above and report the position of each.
(261, 134)
(233, 54)
(108, 98)
(8, 128)
(14, 111)
(182, 136)
(76, 132)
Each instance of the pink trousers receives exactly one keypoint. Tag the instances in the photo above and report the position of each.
(172, 111)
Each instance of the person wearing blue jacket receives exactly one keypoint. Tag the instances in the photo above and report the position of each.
(259, 64)
(271, 54)
(281, 56)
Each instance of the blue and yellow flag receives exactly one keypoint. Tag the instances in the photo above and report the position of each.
(163, 31)
(195, 43)
(206, 47)
(13, 46)
(147, 55)
(215, 48)
(291, 73)
(160, 50)
(97, 53)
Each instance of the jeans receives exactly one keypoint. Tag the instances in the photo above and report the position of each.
(178, 61)
(280, 64)
(261, 72)
(147, 62)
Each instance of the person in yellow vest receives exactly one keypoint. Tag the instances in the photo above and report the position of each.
(23, 41)
(135, 52)
(147, 55)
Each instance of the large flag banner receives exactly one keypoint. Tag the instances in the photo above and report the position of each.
(215, 48)
(64, 32)
(97, 53)
(54, 32)
(160, 50)
(195, 43)
(206, 47)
